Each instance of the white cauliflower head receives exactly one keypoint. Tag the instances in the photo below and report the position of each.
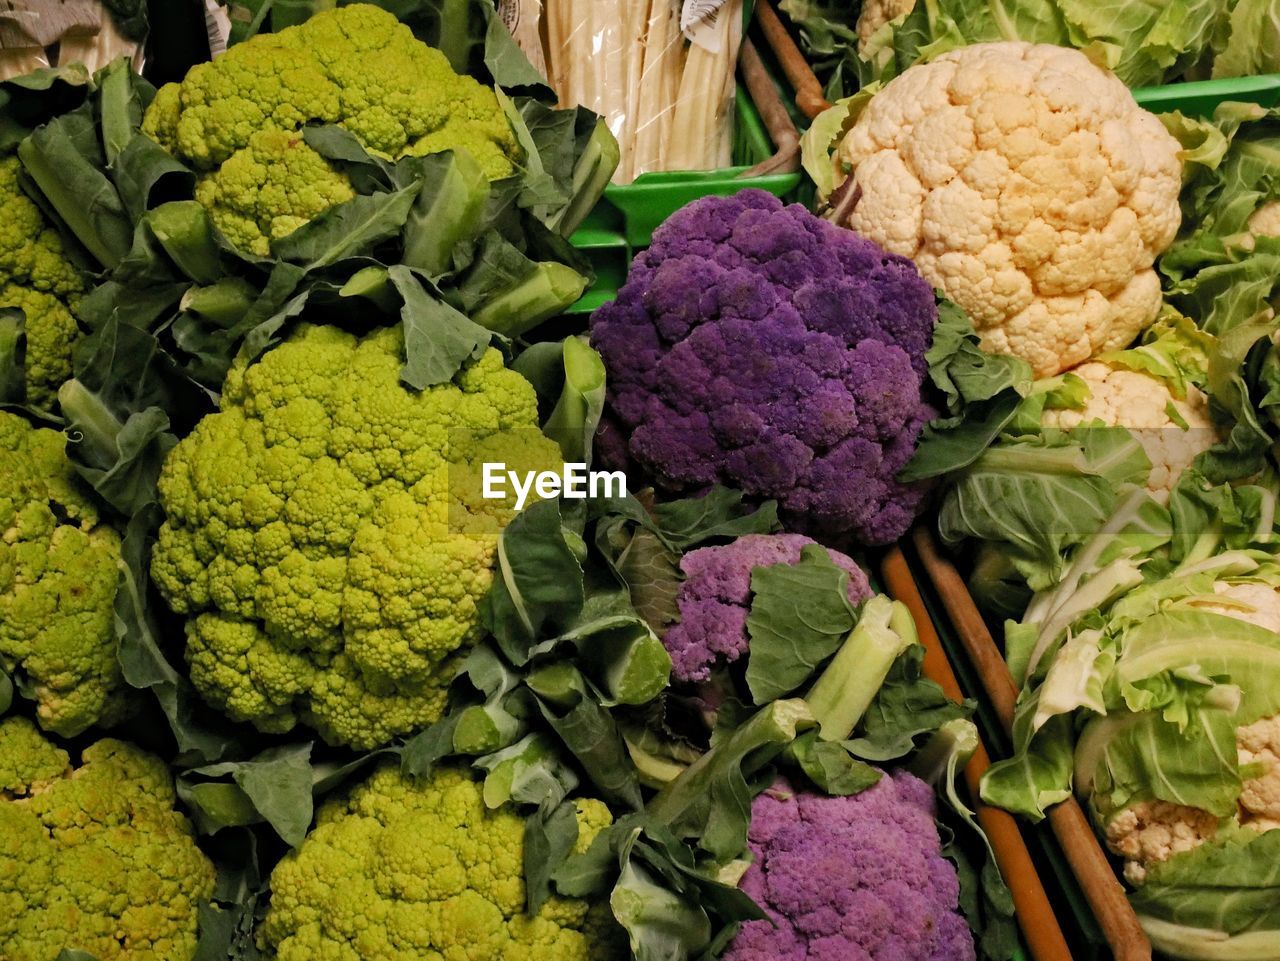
(1152, 831)
(1119, 397)
(1027, 185)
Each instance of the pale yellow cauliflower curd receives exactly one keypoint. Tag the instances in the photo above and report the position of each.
(875, 14)
(1265, 221)
(1029, 187)
(1142, 404)
(1154, 831)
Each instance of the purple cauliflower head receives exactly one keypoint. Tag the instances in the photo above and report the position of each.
(757, 346)
(857, 878)
(715, 599)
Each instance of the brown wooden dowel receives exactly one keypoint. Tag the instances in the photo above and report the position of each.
(1079, 844)
(782, 129)
(1040, 927)
(809, 94)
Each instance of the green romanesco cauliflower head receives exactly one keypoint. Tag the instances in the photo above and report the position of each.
(327, 537)
(239, 119)
(428, 873)
(59, 570)
(96, 858)
(37, 278)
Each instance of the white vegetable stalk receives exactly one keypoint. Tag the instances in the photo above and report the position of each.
(664, 57)
(668, 102)
(702, 124)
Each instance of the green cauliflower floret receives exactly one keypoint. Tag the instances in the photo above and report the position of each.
(428, 873)
(239, 119)
(59, 571)
(96, 858)
(327, 537)
(37, 278)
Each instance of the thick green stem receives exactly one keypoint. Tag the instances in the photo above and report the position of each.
(848, 685)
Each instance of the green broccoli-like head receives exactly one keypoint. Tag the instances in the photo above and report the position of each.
(37, 278)
(59, 571)
(327, 537)
(96, 858)
(427, 872)
(239, 119)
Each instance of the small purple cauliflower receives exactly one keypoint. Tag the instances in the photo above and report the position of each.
(715, 599)
(757, 346)
(857, 878)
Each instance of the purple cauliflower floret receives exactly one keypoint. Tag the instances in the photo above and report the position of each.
(857, 878)
(715, 599)
(757, 346)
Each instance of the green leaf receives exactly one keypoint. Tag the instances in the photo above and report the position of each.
(652, 574)
(800, 614)
(982, 393)
(348, 229)
(719, 513)
(710, 802)
(576, 416)
(907, 705)
(6, 692)
(277, 785)
(1252, 46)
(199, 734)
(438, 340)
(13, 351)
(1225, 887)
(539, 581)
(76, 187)
(832, 768)
(71, 954)
(449, 211)
(548, 840)
(592, 736)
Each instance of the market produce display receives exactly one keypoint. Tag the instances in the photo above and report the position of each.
(360, 601)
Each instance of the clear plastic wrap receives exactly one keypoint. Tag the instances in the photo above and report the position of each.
(38, 33)
(665, 93)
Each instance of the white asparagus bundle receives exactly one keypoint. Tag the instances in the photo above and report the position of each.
(659, 86)
(702, 121)
(668, 103)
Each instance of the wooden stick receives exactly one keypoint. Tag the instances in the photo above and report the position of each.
(1102, 889)
(1040, 927)
(810, 97)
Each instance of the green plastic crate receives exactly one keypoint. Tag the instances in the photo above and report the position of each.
(1202, 97)
(625, 219)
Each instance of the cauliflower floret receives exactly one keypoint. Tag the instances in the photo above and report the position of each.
(428, 871)
(326, 536)
(1142, 404)
(238, 119)
(59, 569)
(96, 857)
(875, 14)
(715, 599)
(1152, 831)
(1265, 221)
(859, 877)
(1028, 185)
(37, 278)
(757, 346)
